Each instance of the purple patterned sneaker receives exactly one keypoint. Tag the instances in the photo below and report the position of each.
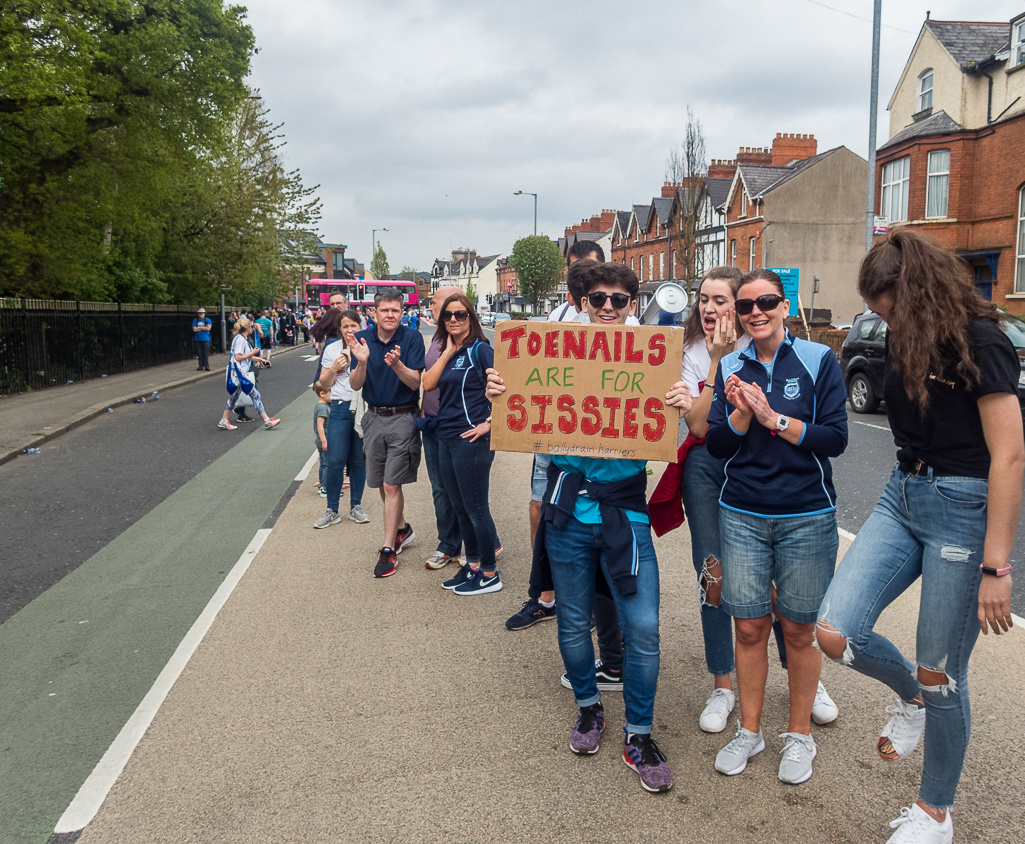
(586, 736)
(642, 754)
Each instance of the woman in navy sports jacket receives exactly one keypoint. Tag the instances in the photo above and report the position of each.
(777, 416)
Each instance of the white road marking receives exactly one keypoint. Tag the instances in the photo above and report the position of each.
(1018, 620)
(304, 473)
(870, 425)
(846, 534)
(95, 789)
(311, 357)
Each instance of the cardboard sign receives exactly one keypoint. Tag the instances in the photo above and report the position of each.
(587, 390)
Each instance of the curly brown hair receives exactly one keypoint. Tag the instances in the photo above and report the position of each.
(934, 301)
(476, 332)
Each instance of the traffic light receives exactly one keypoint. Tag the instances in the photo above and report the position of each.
(359, 288)
(490, 298)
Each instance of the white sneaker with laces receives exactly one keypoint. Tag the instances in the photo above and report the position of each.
(903, 730)
(798, 754)
(715, 716)
(732, 759)
(916, 826)
(824, 710)
(225, 425)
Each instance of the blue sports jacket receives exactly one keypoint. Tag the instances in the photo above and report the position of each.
(765, 475)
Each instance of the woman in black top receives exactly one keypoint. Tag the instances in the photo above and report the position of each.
(948, 514)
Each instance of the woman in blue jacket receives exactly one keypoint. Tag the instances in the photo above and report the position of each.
(777, 416)
(464, 439)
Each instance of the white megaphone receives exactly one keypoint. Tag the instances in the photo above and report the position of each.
(669, 301)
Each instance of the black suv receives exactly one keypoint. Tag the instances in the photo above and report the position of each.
(863, 356)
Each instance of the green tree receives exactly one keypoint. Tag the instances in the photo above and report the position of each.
(539, 266)
(106, 109)
(409, 274)
(471, 291)
(379, 266)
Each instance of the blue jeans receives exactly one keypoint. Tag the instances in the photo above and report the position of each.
(466, 473)
(344, 446)
(796, 553)
(449, 538)
(322, 461)
(933, 528)
(576, 551)
(703, 478)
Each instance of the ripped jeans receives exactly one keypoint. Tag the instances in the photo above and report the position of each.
(931, 527)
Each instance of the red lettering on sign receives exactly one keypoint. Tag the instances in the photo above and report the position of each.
(617, 346)
(513, 335)
(541, 427)
(519, 421)
(552, 344)
(587, 426)
(632, 355)
(610, 430)
(567, 425)
(653, 410)
(600, 344)
(630, 415)
(657, 345)
(574, 344)
(533, 343)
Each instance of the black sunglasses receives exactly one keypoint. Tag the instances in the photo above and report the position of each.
(619, 300)
(456, 315)
(768, 302)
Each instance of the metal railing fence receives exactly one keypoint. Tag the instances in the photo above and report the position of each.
(46, 342)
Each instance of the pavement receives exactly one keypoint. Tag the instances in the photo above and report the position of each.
(325, 705)
(30, 420)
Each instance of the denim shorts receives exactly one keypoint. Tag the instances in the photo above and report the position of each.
(797, 553)
(539, 481)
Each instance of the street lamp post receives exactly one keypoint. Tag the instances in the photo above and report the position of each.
(528, 193)
(373, 248)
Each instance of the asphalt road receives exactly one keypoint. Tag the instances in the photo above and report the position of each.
(62, 506)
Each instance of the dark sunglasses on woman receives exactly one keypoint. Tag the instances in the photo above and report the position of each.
(768, 302)
(459, 316)
(619, 300)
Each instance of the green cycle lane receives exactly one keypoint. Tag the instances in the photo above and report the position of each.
(76, 662)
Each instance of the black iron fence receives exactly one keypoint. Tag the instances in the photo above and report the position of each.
(47, 342)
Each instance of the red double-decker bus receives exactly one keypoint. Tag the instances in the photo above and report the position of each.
(359, 292)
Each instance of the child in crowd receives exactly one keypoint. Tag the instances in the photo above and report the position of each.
(321, 412)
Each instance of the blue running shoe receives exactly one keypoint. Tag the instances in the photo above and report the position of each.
(463, 575)
(532, 612)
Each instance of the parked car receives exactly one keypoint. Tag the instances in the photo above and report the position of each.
(863, 357)
(487, 318)
(499, 316)
(539, 318)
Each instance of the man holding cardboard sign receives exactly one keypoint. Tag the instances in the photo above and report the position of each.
(597, 399)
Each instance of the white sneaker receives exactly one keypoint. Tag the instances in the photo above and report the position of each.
(916, 826)
(225, 425)
(732, 759)
(903, 730)
(824, 710)
(715, 716)
(798, 754)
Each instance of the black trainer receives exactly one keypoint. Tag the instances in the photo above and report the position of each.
(385, 563)
(532, 612)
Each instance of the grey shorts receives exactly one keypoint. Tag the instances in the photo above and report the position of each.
(391, 447)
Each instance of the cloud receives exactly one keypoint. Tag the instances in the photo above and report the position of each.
(425, 115)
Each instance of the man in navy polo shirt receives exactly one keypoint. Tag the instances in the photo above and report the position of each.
(201, 335)
(389, 362)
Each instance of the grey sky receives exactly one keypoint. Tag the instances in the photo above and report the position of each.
(424, 116)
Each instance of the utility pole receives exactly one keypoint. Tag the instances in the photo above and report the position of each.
(877, 14)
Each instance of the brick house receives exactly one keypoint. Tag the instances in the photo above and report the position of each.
(789, 206)
(954, 165)
(643, 244)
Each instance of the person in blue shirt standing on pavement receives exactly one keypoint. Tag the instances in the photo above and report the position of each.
(595, 514)
(389, 361)
(464, 439)
(778, 414)
(201, 337)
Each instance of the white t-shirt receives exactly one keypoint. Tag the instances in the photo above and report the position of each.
(340, 390)
(240, 346)
(697, 361)
(564, 313)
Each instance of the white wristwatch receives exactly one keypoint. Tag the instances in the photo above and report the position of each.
(782, 423)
